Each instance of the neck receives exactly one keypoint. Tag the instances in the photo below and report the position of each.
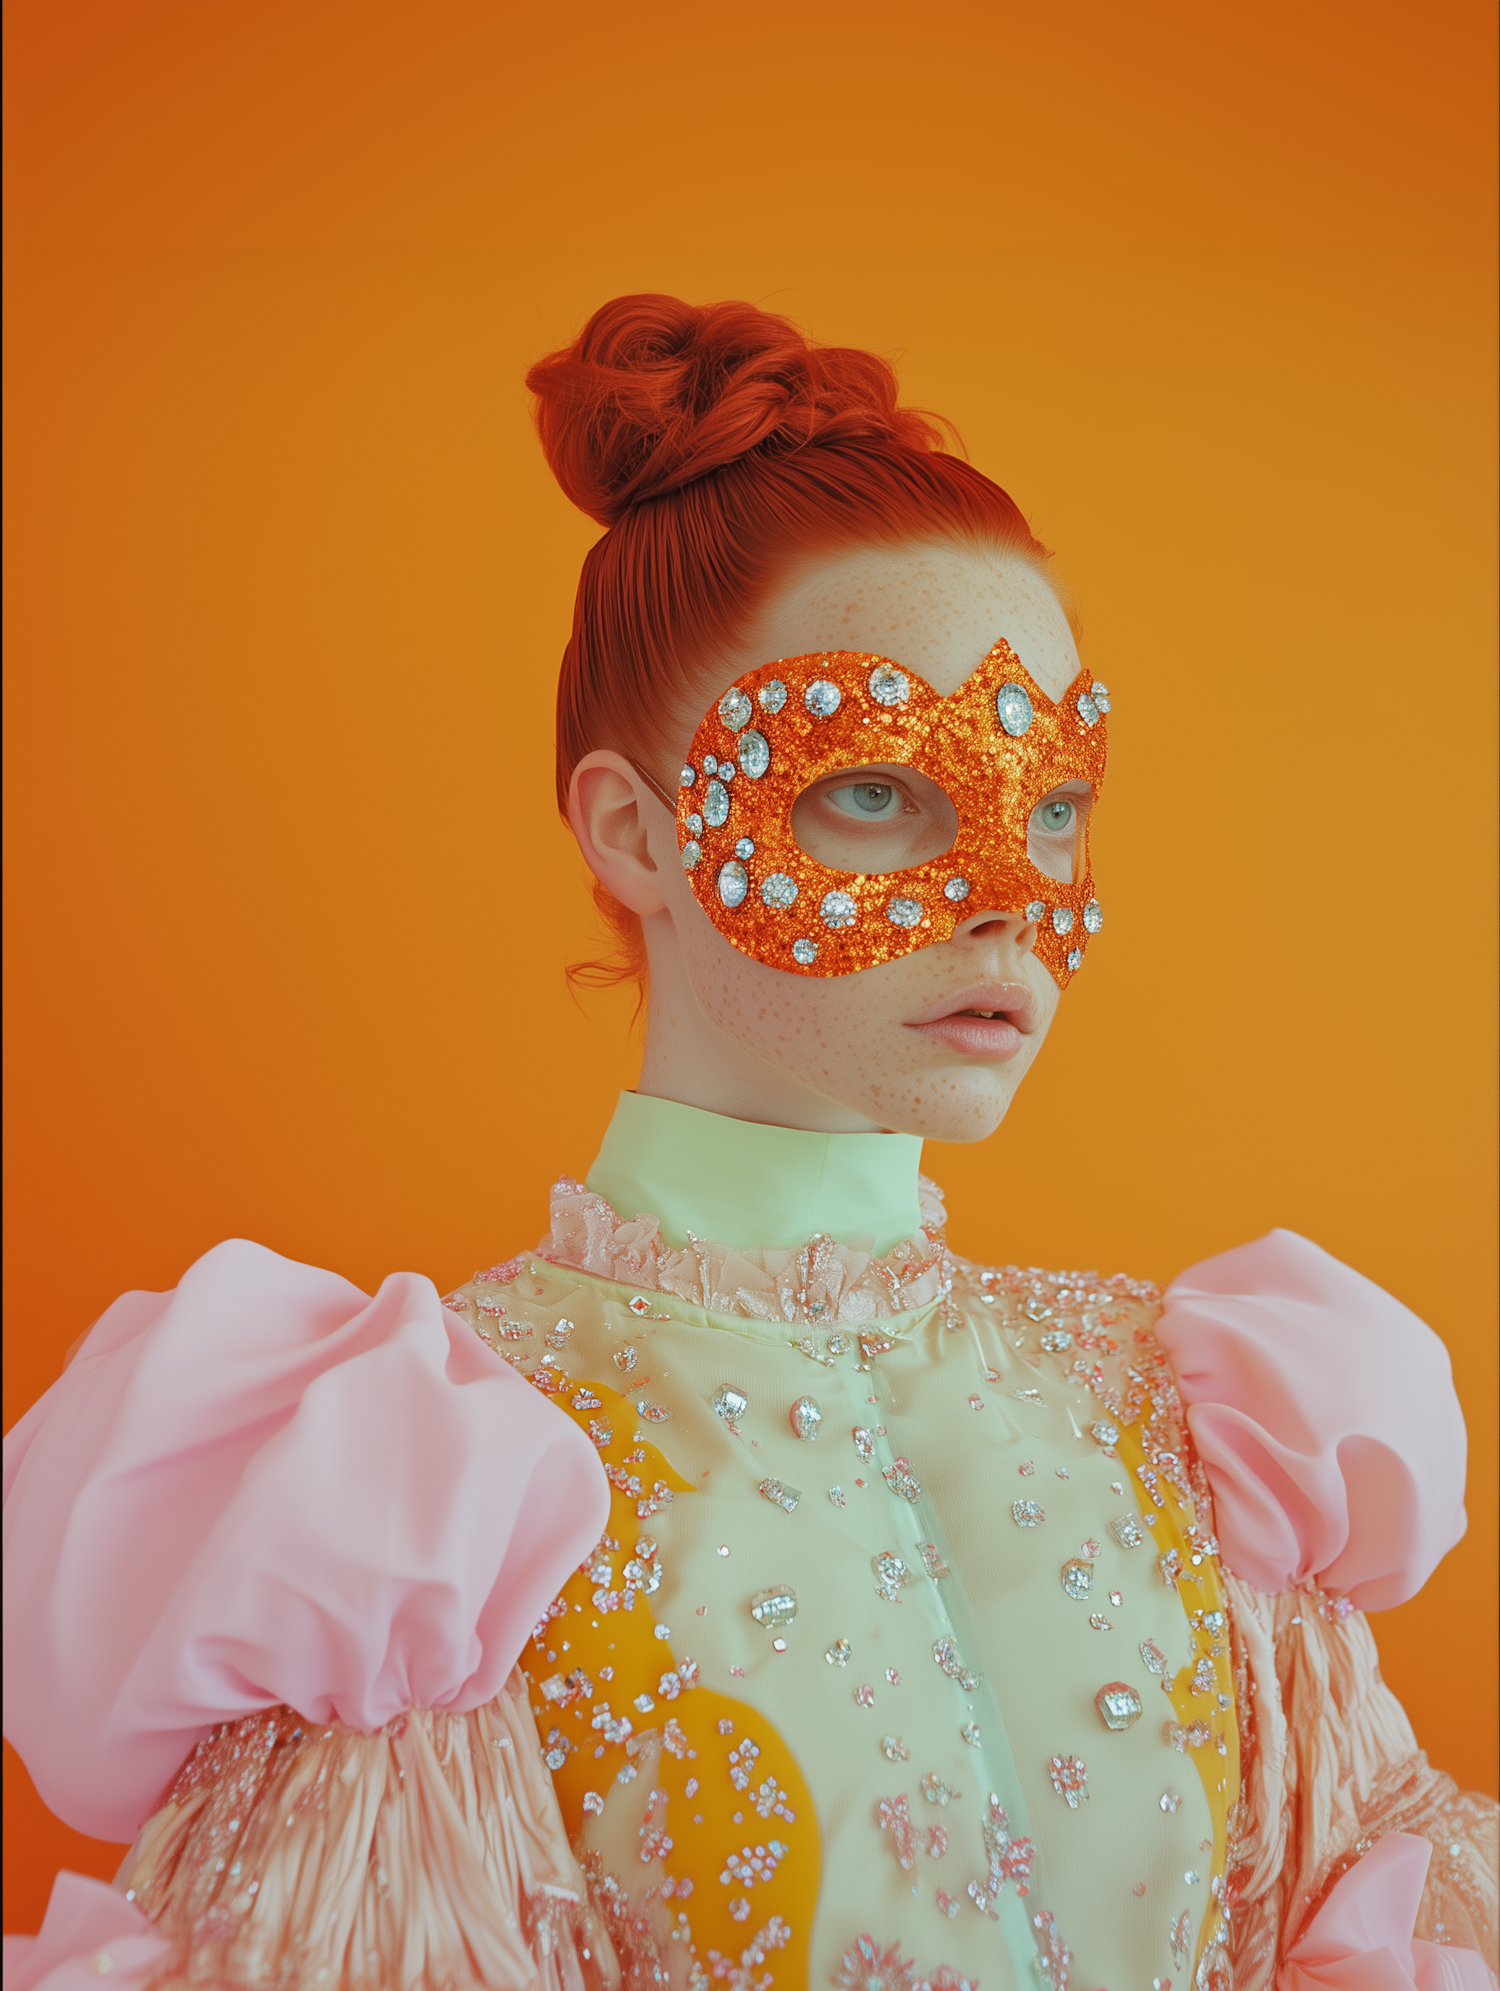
(694, 1060)
(746, 1184)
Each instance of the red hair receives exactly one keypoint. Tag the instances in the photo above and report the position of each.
(719, 447)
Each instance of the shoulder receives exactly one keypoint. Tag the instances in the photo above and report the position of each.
(267, 1485)
(1324, 1413)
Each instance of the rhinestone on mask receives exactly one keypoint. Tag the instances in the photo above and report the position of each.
(734, 882)
(822, 698)
(772, 696)
(735, 709)
(716, 804)
(726, 770)
(755, 754)
(888, 686)
(807, 1418)
(1062, 919)
(1088, 711)
(1093, 916)
(1014, 709)
(710, 765)
(1036, 910)
(691, 852)
(1100, 695)
(904, 912)
(744, 848)
(838, 910)
(779, 890)
(1119, 1705)
(805, 952)
(1075, 960)
(687, 777)
(693, 825)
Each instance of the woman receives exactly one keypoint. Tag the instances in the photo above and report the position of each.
(739, 1588)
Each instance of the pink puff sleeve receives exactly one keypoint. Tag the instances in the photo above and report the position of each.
(1325, 1417)
(267, 1487)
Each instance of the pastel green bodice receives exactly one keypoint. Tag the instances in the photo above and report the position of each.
(904, 1660)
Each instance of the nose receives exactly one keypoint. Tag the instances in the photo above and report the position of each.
(992, 925)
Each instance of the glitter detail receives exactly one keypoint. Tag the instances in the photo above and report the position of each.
(1103, 1432)
(1008, 1860)
(970, 1734)
(932, 1561)
(1128, 1531)
(780, 1495)
(734, 882)
(888, 686)
(838, 1653)
(836, 1496)
(1170, 1800)
(744, 848)
(945, 1653)
(1119, 1705)
(1028, 1513)
(900, 1478)
(956, 889)
(868, 1967)
(1077, 1577)
(1070, 1779)
(1013, 708)
(864, 1697)
(993, 747)
(691, 852)
(716, 804)
(894, 1749)
(1057, 1341)
(735, 709)
(891, 1575)
(1181, 1939)
(864, 1443)
(728, 1402)
(838, 910)
(936, 1791)
(806, 1417)
(904, 912)
(805, 952)
(775, 1608)
(779, 890)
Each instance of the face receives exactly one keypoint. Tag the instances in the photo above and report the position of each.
(933, 1042)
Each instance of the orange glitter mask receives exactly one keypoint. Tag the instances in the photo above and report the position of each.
(996, 747)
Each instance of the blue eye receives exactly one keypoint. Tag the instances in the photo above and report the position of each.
(864, 798)
(1056, 816)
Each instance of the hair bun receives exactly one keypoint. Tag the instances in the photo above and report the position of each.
(655, 393)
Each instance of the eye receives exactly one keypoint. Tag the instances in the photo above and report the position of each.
(868, 799)
(1056, 816)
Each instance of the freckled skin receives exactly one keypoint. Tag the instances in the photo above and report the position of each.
(729, 1034)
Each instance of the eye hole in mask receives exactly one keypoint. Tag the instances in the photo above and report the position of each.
(873, 820)
(1057, 832)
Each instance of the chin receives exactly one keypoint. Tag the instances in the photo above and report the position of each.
(953, 1108)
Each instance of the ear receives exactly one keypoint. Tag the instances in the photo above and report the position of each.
(613, 814)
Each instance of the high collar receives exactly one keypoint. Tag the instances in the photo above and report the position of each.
(741, 1183)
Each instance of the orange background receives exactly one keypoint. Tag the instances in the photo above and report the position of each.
(1209, 289)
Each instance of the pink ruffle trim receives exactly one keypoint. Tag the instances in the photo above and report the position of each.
(829, 1282)
(1361, 1938)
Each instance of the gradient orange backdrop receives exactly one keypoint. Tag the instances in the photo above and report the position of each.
(1209, 289)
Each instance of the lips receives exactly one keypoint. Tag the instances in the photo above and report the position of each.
(990, 1020)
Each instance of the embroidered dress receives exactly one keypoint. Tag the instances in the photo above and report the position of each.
(660, 1610)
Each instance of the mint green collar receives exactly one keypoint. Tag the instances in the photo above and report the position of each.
(740, 1183)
